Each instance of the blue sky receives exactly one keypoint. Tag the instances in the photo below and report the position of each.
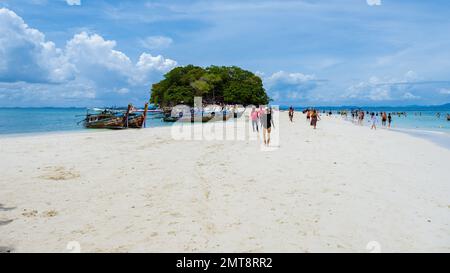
(308, 52)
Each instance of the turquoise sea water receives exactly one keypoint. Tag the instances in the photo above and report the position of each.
(423, 120)
(42, 120)
(416, 118)
(419, 121)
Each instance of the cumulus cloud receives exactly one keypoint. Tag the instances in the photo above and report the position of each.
(87, 59)
(73, 2)
(25, 53)
(410, 96)
(289, 78)
(289, 86)
(156, 42)
(148, 63)
(444, 91)
(384, 89)
(93, 55)
(374, 2)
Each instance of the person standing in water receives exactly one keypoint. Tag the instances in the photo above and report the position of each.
(314, 118)
(373, 119)
(383, 119)
(266, 123)
(254, 118)
(389, 120)
(291, 114)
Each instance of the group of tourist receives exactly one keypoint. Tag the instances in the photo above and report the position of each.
(312, 116)
(262, 117)
(358, 118)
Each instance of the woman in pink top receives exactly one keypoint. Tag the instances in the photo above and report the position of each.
(254, 117)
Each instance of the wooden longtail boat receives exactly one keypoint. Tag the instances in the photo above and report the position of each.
(116, 119)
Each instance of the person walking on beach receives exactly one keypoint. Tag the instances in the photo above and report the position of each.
(383, 119)
(291, 114)
(260, 114)
(373, 120)
(389, 120)
(314, 118)
(308, 115)
(266, 123)
(254, 118)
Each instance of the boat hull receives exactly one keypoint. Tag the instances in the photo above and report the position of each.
(113, 121)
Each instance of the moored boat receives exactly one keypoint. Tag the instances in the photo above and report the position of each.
(116, 119)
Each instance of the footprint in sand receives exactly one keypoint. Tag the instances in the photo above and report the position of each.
(35, 213)
(28, 214)
(50, 213)
(59, 174)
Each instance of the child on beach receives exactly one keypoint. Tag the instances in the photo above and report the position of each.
(254, 119)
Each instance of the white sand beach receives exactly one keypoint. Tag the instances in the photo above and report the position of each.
(334, 189)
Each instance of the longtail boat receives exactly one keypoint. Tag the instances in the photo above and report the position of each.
(116, 119)
(184, 113)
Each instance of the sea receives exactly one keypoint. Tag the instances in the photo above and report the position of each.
(14, 121)
(429, 122)
(419, 121)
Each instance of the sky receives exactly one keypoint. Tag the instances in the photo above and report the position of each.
(308, 52)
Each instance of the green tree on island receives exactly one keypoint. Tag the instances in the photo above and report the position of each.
(216, 84)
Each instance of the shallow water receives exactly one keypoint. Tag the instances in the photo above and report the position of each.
(41, 120)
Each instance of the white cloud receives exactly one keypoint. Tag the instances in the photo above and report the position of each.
(96, 58)
(384, 89)
(444, 91)
(25, 54)
(88, 62)
(410, 96)
(289, 78)
(156, 42)
(93, 55)
(122, 91)
(380, 93)
(374, 2)
(282, 85)
(148, 64)
(73, 2)
(260, 74)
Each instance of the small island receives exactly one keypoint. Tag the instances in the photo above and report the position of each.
(215, 84)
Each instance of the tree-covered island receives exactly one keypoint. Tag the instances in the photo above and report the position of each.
(215, 84)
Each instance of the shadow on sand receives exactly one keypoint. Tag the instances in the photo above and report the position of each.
(5, 249)
(3, 208)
